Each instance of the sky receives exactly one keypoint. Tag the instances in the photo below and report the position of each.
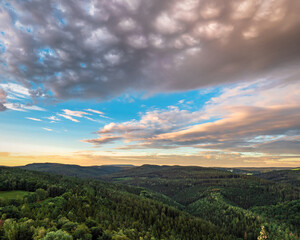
(176, 82)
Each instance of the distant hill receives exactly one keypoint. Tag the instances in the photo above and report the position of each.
(220, 196)
(170, 172)
(253, 170)
(283, 176)
(187, 184)
(75, 170)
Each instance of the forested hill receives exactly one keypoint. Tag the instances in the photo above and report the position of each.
(229, 200)
(187, 184)
(283, 176)
(63, 208)
(75, 170)
(147, 202)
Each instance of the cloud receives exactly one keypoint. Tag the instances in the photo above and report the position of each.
(34, 119)
(102, 140)
(68, 117)
(69, 114)
(152, 123)
(100, 49)
(15, 91)
(53, 118)
(103, 116)
(250, 117)
(3, 96)
(16, 97)
(94, 111)
(22, 107)
(33, 107)
(2, 107)
(75, 113)
(48, 129)
(91, 119)
(241, 123)
(282, 145)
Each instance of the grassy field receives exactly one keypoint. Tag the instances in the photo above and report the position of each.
(13, 194)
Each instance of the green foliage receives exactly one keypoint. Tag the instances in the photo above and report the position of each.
(86, 209)
(41, 194)
(58, 235)
(75, 170)
(18, 231)
(284, 176)
(186, 185)
(286, 212)
(82, 232)
(167, 203)
(222, 197)
(235, 220)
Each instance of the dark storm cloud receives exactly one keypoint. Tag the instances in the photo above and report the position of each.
(99, 49)
(2, 107)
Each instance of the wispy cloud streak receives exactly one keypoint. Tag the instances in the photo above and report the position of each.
(34, 119)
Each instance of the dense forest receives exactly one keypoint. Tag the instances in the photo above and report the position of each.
(284, 176)
(147, 202)
(237, 203)
(75, 170)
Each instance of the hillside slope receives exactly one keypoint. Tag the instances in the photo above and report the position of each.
(283, 176)
(67, 208)
(237, 203)
(75, 170)
(187, 184)
(149, 202)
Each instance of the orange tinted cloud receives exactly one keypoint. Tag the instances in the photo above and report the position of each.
(248, 117)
